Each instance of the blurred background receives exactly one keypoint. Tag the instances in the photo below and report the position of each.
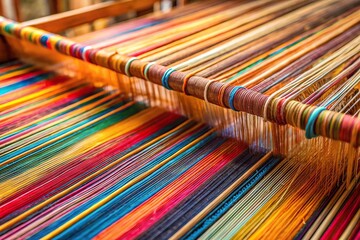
(25, 10)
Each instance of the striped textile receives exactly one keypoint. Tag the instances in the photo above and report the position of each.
(78, 162)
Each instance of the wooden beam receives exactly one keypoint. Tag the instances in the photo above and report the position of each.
(54, 6)
(17, 7)
(61, 21)
(1, 8)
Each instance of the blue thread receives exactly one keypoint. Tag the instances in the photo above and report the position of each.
(196, 202)
(165, 78)
(309, 129)
(127, 66)
(43, 40)
(232, 96)
(17, 85)
(83, 52)
(229, 202)
(80, 51)
(149, 186)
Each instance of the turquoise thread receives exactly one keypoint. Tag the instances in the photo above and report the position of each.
(232, 96)
(310, 125)
(165, 78)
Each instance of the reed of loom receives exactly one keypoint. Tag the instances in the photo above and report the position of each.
(263, 121)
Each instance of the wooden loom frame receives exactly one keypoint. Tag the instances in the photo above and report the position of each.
(61, 21)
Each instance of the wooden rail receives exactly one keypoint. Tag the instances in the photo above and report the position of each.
(61, 21)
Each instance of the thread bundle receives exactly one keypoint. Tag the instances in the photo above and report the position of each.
(289, 62)
(80, 162)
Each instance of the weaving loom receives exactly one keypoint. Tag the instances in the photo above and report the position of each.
(216, 120)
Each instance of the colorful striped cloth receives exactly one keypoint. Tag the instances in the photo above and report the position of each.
(78, 162)
(293, 62)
